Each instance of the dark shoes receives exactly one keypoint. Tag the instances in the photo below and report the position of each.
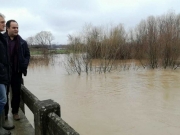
(4, 132)
(8, 126)
(16, 117)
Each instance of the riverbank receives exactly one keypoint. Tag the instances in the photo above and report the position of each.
(40, 51)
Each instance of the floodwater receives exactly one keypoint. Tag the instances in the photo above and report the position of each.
(129, 102)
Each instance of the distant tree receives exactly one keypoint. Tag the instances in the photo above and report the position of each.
(30, 41)
(44, 38)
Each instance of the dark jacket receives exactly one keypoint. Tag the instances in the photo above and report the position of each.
(23, 55)
(4, 61)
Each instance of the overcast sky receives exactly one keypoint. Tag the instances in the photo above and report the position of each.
(63, 17)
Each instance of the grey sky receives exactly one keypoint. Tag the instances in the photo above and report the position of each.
(63, 17)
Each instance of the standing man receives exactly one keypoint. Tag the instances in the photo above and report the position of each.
(19, 57)
(4, 73)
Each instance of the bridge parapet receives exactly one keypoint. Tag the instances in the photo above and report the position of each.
(47, 115)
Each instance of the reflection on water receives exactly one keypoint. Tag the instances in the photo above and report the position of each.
(130, 102)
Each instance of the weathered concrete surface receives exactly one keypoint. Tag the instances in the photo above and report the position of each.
(57, 126)
(22, 127)
(28, 98)
(41, 111)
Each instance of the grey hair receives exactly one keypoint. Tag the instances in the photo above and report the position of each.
(1, 15)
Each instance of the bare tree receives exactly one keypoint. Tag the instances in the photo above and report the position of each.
(169, 38)
(152, 35)
(140, 41)
(30, 41)
(44, 38)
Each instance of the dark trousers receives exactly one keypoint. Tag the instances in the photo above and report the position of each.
(16, 80)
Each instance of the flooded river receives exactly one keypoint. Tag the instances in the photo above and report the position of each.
(129, 102)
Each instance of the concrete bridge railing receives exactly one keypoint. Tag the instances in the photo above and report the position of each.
(47, 115)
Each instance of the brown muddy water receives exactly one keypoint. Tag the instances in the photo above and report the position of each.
(129, 102)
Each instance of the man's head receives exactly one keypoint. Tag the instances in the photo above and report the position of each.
(12, 28)
(2, 22)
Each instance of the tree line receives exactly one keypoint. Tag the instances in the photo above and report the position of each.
(155, 42)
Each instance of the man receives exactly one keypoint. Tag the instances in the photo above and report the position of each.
(19, 57)
(4, 74)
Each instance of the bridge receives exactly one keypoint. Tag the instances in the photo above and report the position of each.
(47, 117)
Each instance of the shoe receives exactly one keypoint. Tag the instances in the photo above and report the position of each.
(4, 132)
(16, 117)
(8, 125)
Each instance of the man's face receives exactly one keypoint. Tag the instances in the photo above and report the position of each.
(2, 24)
(13, 29)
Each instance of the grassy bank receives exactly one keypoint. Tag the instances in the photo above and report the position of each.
(40, 51)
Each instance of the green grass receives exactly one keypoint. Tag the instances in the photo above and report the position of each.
(59, 51)
(39, 52)
(35, 52)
